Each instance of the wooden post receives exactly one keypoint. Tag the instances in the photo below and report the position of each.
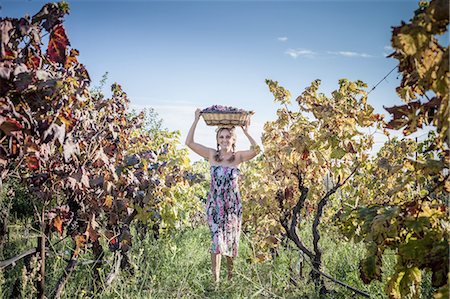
(41, 252)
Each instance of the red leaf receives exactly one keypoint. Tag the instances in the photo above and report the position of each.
(110, 150)
(32, 162)
(288, 193)
(9, 55)
(72, 58)
(100, 158)
(350, 148)
(405, 115)
(57, 45)
(8, 125)
(305, 154)
(34, 62)
(68, 118)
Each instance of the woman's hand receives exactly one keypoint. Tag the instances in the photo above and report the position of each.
(246, 126)
(254, 148)
(197, 114)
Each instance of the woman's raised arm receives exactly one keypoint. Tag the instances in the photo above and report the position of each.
(254, 147)
(203, 151)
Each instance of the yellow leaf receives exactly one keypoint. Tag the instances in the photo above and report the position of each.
(407, 43)
(108, 201)
(447, 186)
(79, 243)
(57, 223)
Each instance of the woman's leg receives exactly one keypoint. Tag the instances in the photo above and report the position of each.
(230, 266)
(215, 266)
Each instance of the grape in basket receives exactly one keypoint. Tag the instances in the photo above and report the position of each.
(218, 115)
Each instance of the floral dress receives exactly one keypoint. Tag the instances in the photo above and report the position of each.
(224, 210)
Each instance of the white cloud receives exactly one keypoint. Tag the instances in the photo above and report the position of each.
(350, 54)
(300, 52)
(283, 39)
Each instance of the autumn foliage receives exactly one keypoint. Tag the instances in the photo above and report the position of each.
(396, 200)
(91, 166)
(401, 196)
(93, 169)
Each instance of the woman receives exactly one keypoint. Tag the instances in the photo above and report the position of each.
(223, 207)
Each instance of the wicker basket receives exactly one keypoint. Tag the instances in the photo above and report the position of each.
(226, 118)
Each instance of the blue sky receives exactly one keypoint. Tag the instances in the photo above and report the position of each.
(175, 56)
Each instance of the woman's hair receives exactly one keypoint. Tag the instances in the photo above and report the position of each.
(217, 157)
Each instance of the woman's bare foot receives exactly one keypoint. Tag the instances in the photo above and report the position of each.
(230, 275)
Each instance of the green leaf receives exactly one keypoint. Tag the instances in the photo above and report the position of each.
(338, 153)
(442, 293)
(410, 283)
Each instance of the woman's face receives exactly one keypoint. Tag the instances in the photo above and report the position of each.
(225, 139)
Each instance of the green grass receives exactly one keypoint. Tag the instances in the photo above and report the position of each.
(178, 266)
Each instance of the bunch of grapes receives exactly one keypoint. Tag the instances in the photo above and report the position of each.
(223, 109)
